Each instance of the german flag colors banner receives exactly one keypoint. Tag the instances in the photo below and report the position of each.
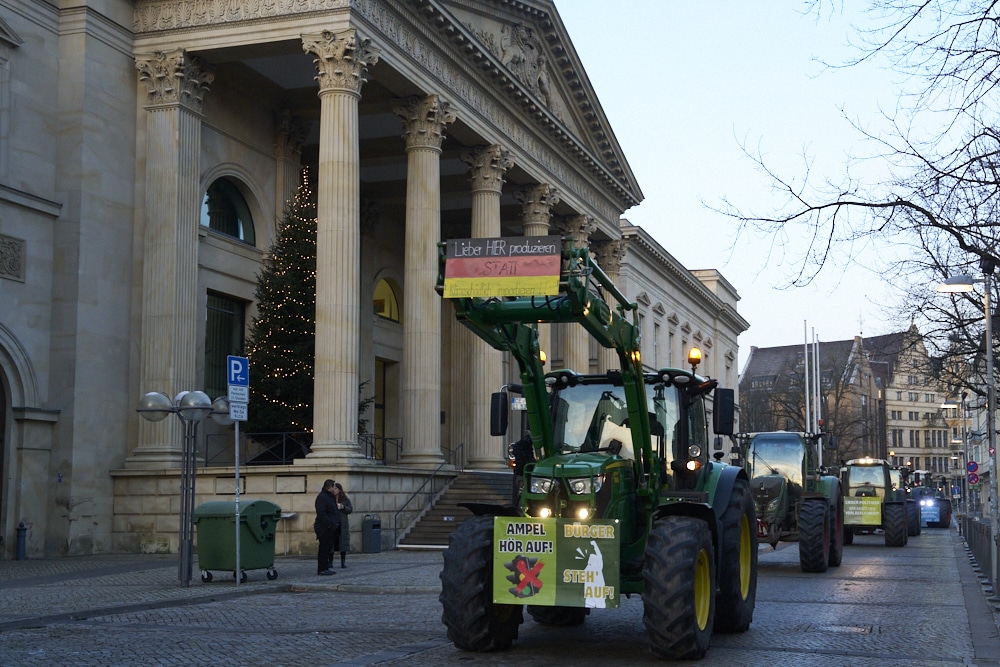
(498, 267)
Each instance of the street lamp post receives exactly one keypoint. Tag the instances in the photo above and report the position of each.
(191, 407)
(964, 283)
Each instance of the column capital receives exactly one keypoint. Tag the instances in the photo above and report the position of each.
(609, 254)
(488, 166)
(291, 132)
(173, 79)
(424, 120)
(342, 59)
(537, 202)
(577, 227)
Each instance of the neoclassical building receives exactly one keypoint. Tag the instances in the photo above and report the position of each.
(147, 151)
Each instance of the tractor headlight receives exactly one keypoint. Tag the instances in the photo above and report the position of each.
(541, 484)
(581, 485)
(694, 451)
(773, 505)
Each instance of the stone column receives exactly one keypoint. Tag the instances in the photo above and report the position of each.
(536, 211)
(290, 134)
(477, 368)
(175, 85)
(609, 255)
(342, 60)
(576, 340)
(424, 121)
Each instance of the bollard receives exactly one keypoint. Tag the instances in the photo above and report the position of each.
(22, 535)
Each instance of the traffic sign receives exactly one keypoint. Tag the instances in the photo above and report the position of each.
(972, 466)
(239, 394)
(238, 412)
(973, 478)
(238, 371)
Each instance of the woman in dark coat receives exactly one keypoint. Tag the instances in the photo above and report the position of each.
(327, 526)
(345, 507)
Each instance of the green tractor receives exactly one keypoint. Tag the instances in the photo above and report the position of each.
(796, 500)
(871, 503)
(617, 493)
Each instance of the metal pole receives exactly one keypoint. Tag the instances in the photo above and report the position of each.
(991, 437)
(806, 386)
(187, 500)
(239, 571)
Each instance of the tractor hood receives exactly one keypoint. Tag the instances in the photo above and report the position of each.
(767, 488)
(587, 464)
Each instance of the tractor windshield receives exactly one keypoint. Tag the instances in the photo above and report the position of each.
(777, 454)
(594, 418)
(866, 481)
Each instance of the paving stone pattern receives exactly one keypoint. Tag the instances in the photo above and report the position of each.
(884, 607)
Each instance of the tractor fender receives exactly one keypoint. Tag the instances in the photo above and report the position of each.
(720, 487)
(829, 486)
(695, 510)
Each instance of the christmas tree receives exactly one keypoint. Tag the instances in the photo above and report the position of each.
(282, 341)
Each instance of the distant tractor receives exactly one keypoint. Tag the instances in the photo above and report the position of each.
(869, 503)
(794, 498)
(935, 507)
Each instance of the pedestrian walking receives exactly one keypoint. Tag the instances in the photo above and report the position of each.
(327, 527)
(345, 507)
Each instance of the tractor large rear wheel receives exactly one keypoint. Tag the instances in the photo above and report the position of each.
(894, 524)
(474, 623)
(734, 603)
(814, 535)
(679, 598)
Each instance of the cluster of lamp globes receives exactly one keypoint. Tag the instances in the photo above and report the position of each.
(190, 406)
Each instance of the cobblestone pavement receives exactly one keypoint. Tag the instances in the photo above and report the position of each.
(920, 605)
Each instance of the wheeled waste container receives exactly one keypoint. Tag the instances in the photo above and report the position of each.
(371, 534)
(216, 526)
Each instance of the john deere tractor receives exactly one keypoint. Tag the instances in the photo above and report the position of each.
(618, 494)
(796, 500)
(870, 503)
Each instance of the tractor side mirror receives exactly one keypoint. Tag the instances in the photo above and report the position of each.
(499, 416)
(724, 412)
(718, 443)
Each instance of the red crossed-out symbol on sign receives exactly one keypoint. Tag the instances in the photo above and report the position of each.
(529, 576)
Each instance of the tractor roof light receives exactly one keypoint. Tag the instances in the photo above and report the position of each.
(694, 358)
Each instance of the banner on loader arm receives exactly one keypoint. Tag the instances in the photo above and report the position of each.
(507, 266)
(862, 511)
(556, 562)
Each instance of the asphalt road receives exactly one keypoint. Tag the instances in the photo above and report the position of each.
(919, 605)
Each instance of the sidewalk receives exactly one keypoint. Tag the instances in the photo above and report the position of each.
(34, 591)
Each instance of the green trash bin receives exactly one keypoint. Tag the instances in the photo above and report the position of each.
(216, 525)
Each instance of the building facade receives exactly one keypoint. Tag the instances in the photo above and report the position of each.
(140, 190)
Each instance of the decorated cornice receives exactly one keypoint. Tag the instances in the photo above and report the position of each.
(152, 16)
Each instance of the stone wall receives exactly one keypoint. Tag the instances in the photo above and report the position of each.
(147, 502)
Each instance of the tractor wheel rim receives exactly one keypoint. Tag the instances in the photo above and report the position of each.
(702, 589)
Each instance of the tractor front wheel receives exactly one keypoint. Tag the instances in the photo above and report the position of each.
(474, 622)
(679, 598)
(814, 535)
(737, 594)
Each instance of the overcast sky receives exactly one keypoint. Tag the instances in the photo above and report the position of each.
(684, 84)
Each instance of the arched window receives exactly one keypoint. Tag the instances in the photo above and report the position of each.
(224, 210)
(385, 301)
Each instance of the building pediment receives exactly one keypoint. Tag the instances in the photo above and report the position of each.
(7, 35)
(528, 43)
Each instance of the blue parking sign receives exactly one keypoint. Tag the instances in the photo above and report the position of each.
(238, 371)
